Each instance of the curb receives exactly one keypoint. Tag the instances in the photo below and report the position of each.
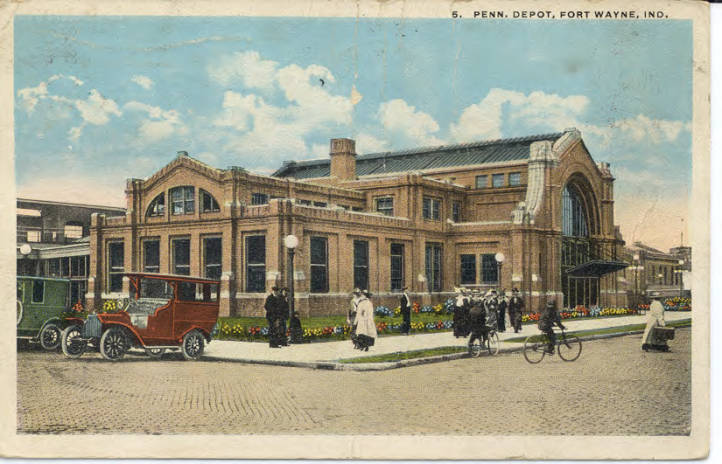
(385, 366)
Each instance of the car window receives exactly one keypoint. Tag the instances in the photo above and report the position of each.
(189, 291)
(38, 291)
(153, 288)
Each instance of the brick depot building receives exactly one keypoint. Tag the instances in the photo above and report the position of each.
(429, 218)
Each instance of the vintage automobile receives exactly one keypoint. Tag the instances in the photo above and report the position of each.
(41, 302)
(163, 312)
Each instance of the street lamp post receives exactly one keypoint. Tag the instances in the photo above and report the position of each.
(635, 258)
(499, 261)
(291, 242)
(25, 250)
(681, 268)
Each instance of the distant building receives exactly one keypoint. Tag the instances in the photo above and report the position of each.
(53, 240)
(653, 270)
(428, 218)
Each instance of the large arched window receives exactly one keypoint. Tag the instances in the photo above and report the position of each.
(208, 203)
(574, 214)
(157, 206)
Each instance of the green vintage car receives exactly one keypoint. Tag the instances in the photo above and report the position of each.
(40, 306)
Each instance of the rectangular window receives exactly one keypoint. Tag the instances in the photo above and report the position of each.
(116, 266)
(482, 181)
(77, 266)
(361, 264)
(212, 253)
(190, 291)
(73, 231)
(356, 208)
(385, 206)
(489, 269)
(397, 266)
(320, 204)
(256, 264)
(181, 256)
(514, 179)
(497, 180)
(183, 200)
(468, 269)
(431, 208)
(304, 202)
(54, 267)
(151, 256)
(433, 267)
(456, 211)
(259, 199)
(33, 236)
(38, 291)
(319, 265)
(65, 267)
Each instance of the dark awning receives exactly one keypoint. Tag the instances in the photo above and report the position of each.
(596, 268)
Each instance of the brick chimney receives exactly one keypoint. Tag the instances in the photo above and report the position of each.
(343, 159)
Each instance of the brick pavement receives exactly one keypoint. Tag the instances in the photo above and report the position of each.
(613, 389)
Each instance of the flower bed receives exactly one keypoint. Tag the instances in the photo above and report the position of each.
(678, 304)
(581, 312)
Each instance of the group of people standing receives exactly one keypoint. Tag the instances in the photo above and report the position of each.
(360, 318)
(497, 310)
(277, 315)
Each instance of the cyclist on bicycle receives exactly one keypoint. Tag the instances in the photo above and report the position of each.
(549, 317)
(477, 322)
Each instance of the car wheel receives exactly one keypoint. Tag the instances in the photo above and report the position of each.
(155, 353)
(20, 311)
(73, 346)
(193, 343)
(113, 344)
(50, 337)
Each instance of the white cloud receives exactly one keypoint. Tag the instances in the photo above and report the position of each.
(143, 81)
(30, 96)
(400, 118)
(247, 67)
(159, 124)
(107, 191)
(97, 109)
(656, 130)
(73, 79)
(367, 143)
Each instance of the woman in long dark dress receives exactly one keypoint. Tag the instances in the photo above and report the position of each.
(461, 315)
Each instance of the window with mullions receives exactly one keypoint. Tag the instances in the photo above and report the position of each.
(151, 256)
(361, 264)
(259, 198)
(78, 266)
(489, 269)
(574, 215)
(183, 200)
(385, 206)
(157, 206)
(514, 179)
(397, 266)
(208, 203)
(256, 264)
(319, 265)
(497, 180)
(468, 269)
(482, 181)
(212, 258)
(181, 256)
(116, 263)
(456, 211)
(431, 208)
(38, 291)
(433, 266)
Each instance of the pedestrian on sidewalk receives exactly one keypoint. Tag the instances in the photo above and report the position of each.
(491, 308)
(461, 313)
(365, 325)
(477, 323)
(273, 308)
(296, 329)
(405, 305)
(502, 310)
(351, 316)
(652, 338)
(516, 308)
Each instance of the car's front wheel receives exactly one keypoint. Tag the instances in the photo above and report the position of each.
(72, 343)
(50, 337)
(114, 343)
(193, 344)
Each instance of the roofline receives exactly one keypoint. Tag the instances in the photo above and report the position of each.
(65, 203)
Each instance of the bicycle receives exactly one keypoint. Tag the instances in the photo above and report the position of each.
(491, 345)
(569, 347)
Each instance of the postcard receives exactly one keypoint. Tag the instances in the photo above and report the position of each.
(356, 230)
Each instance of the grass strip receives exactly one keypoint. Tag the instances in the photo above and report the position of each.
(401, 355)
(608, 330)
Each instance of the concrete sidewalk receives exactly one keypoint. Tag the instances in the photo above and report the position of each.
(327, 354)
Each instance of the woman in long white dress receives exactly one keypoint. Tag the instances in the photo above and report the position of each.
(365, 326)
(655, 318)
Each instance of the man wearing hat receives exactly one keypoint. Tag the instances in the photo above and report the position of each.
(405, 305)
(273, 307)
(547, 320)
(516, 306)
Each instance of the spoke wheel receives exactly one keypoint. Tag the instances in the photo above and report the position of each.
(475, 349)
(535, 348)
(155, 353)
(72, 343)
(193, 344)
(569, 348)
(113, 344)
(50, 337)
(492, 344)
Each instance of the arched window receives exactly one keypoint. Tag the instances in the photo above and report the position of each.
(182, 200)
(157, 206)
(208, 203)
(574, 214)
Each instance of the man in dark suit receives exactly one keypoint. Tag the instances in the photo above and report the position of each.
(516, 306)
(405, 312)
(273, 309)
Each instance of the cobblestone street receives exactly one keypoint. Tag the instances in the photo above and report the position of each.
(613, 389)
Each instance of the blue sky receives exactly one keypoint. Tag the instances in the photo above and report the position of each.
(101, 99)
